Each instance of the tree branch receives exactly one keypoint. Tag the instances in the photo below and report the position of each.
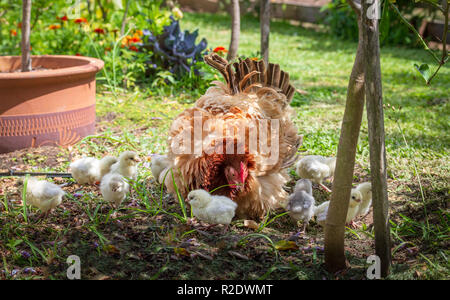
(444, 43)
(410, 26)
(124, 18)
(433, 4)
(355, 6)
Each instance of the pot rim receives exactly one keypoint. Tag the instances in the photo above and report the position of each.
(91, 65)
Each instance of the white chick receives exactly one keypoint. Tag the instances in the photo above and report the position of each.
(158, 164)
(301, 203)
(321, 211)
(43, 195)
(316, 168)
(91, 170)
(366, 191)
(126, 166)
(105, 165)
(211, 209)
(114, 188)
(353, 206)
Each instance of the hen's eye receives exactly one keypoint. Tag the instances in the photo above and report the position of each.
(353, 197)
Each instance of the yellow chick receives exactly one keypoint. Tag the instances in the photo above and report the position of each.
(211, 209)
(43, 195)
(126, 166)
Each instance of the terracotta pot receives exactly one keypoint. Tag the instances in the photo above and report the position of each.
(54, 106)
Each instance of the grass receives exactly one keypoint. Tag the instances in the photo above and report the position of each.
(149, 237)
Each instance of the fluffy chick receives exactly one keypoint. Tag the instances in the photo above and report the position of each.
(114, 188)
(365, 189)
(126, 166)
(353, 206)
(91, 170)
(211, 209)
(301, 203)
(43, 194)
(159, 164)
(105, 165)
(316, 168)
(321, 211)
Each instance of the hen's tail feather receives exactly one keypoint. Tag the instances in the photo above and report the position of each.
(249, 73)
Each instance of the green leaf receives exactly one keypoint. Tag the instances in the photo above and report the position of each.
(286, 245)
(384, 23)
(424, 70)
(117, 4)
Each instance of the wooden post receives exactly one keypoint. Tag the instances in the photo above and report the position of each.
(265, 29)
(235, 30)
(342, 184)
(375, 117)
(26, 18)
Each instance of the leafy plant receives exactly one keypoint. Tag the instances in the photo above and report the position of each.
(175, 50)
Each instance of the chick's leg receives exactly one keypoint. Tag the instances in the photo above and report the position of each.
(325, 188)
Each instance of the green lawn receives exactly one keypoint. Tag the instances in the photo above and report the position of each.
(144, 241)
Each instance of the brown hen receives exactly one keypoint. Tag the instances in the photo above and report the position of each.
(238, 140)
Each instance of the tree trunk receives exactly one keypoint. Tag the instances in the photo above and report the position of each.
(235, 30)
(26, 17)
(343, 177)
(375, 119)
(265, 29)
(124, 18)
(89, 8)
(102, 9)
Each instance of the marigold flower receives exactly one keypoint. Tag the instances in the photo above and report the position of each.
(134, 48)
(19, 25)
(54, 26)
(64, 18)
(220, 49)
(99, 30)
(78, 54)
(13, 32)
(126, 40)
(135, 39)
(80, 20)
(138, 33)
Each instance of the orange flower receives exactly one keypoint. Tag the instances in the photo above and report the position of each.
(134, 48)
(99, 30)
(53, 27)
(80, 20)
(19, 25)
(135, 39)
(78, 54)
(126, 40)
(220, 49)
(64, 18)
(13, 32)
